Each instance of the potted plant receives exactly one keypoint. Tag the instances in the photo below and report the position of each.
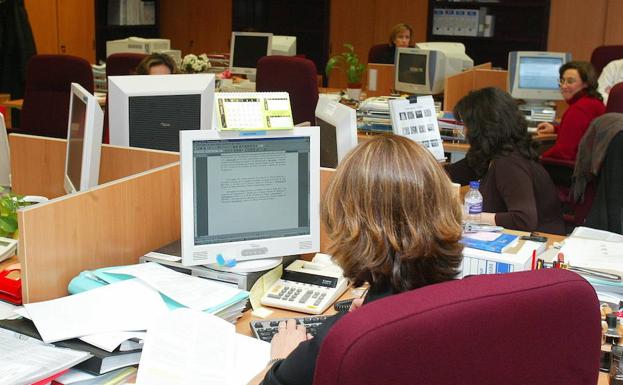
(9, 203)
(349, 62)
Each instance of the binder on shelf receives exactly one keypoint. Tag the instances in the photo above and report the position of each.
(460, 22)
(438, 21)
(448, 22)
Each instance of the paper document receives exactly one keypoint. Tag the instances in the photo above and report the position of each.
(600, 235)
(120, 306)
(110, 341)
(193, 292)
(189, 347)
(7, 310)
(24, 360)
(594, 254)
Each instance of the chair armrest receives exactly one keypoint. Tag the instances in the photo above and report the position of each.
(545, 160)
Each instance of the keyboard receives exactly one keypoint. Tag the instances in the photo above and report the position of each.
(266, 329)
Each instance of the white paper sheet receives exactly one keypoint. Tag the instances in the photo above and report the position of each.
(7, 310)
(252, 355)
(188, 347)
(122, 306)
(24, 360)
(593, 254)
(193, 292)
(110, 341)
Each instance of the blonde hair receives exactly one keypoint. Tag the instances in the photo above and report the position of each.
(393, 216)
(399, 28)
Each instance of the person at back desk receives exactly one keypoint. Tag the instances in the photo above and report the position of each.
(400, 36)
(578, 86)
(156, 64)
(517, 192)
(395, 223)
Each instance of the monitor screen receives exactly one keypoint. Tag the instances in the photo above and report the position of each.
(338, 130)
(412, 68)
(539, 72)
(150, 111)
(246, 49)
(84, 140)
(249, 197)
(533, 76)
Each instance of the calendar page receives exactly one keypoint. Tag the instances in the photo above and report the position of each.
(252, 111)
(416, 119)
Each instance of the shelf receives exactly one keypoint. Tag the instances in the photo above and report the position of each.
(476, 4)
(536, 40)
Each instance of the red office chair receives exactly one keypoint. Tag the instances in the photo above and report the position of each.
(537, 327)
(295, 75)
(119, 64)
(615, 99)
(46, 97)
(605, 54)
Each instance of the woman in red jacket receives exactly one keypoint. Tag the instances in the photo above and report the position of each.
(578, 86)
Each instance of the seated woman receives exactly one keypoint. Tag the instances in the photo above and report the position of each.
(578, 86)
(156, 64)
(395, 223)
(400, 36)
(517, 191)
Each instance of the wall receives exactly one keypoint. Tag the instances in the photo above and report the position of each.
(578, 26)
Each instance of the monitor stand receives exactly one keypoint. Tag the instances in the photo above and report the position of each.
(538, 111)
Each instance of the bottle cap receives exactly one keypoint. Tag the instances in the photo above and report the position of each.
(474, 184)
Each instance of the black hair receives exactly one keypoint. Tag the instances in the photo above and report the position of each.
(587, 74)
(494, 126)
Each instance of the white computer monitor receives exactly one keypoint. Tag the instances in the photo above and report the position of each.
(338, 130)
(84, 140)
(5, 156)
(283, 45)
(422, 72)
(533, 75)
(451, 50)
(249, 196)
(137, 45)
(246, 49)
(149, 111)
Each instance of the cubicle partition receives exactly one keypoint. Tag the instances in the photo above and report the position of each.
(135, 209)
(481, 76)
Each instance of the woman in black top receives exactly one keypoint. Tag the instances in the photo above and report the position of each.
(400, 36)
(517, 192)
(394, 221)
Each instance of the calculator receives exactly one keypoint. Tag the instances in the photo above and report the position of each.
(307, 287)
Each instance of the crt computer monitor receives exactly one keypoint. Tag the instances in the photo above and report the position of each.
(422, 72)
(249, 196)
(150, 111)
(283, 45)
(84, 140)
(5, 156)
(533, 75)
(451, 50)
(246, 49)
(338, 130)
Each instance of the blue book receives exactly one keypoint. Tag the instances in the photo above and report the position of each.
(498, 245)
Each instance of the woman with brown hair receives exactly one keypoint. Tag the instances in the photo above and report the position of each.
(395, 223)
(400, 36)
(156, 64)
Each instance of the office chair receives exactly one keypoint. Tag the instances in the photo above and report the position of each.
(607, 210)
(615, 99)
(605, 54)
(46, 98)
(119, 64)
(536, 327)
(379, 53)
(295, 75)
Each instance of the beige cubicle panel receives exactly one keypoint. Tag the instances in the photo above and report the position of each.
(385, 74)
(38, 163)
(134, 210)
(459, 85)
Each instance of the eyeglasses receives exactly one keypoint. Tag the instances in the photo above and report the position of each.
(569, 81)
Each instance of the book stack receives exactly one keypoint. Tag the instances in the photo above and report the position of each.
(450, 128)
(496, 253)
(373, 113)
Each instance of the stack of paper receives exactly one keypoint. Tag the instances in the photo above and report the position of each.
(191, 347)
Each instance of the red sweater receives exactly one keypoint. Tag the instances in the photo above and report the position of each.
(574, 123)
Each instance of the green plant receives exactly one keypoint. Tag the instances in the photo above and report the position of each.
(349, 62)
(9, 203)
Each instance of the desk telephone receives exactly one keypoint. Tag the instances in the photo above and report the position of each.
(307, 287)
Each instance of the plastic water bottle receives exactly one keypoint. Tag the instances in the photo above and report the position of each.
(473, 203)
